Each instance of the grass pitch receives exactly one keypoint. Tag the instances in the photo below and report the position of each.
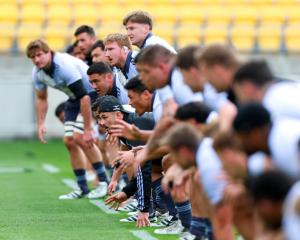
(29, 205)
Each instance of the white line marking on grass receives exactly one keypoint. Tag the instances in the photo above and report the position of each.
(70, 183)
(50, 168)
(12, 170)
(100, 204)
(140, 234)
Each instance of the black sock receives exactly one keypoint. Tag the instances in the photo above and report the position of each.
(100, 170)
(198, 227)
(209, 229)
(81, 180)
(184, 213)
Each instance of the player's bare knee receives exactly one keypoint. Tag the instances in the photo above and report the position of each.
(70, 143)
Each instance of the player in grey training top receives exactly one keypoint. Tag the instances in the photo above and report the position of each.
(68, 74)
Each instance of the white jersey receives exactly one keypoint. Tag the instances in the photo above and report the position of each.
(152, 40)
(284, 143)
(256, 163)
(212, 98)
(282, 99)
(157, 107)
(211, 171)
(182, 93)
(65, 70)
(291, 214)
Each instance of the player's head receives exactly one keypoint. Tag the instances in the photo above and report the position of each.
(251, 79)
(230, 152)
(75, 51)
(217, 63)
(252, 125)
(107, 109)
(85, 35)
(138, 25)
(101, 77)
(40, 53)
(60, 112)
(117, 47)
(97, 52)
(139, 96)
(269, 191)
(154, 64)
(183, 141)
(187, 63)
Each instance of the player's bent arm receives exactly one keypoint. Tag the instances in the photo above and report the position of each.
(226, 115)
(41, 105)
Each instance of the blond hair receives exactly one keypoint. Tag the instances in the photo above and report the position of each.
(37, 45)
(121, 39)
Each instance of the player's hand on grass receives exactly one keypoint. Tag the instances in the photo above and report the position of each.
(112, 187)
(126, 130)
(41, 133)
(143, 220)
(115, 200)
(88, 138)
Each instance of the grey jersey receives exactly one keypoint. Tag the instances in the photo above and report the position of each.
(65, 70)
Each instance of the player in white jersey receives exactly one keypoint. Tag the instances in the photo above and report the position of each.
(279, 138)
(254, 81)
(118, 51)
(139, 25)
(68, 74)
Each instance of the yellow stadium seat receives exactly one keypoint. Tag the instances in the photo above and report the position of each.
(187, 35)
(157, 3)
(26, 34)
(104, 30)
(269, 38)
(29, 2)
(293, 15)
(245, 16)
(56, 37)
(165, 32)
(8, 14)
(33, 14)
(260, 2)
(86, 14)
(215, 34)
(243, 38)
(286, 2)
(111, 15)
(272, 15)
(218, 15)
(56, 2)
(210, 2)
(164, 15)
(60, 14)
(194, 16)
(191, 3)
(235, 2)
(291, 37)
(81, 2)
(6, 37)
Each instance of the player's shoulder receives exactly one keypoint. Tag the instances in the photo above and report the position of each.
(157, 40)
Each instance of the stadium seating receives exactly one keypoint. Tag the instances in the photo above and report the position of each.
(26, 34)
(245, 15)
(188, 35)
(104, 30)
(215, 34)
(272, 15)
(269, 38)
(243, 38)
(59, 14)
(33, 14)
(56, 37)
(194, 16)
(292, 36)
(218, 16)
(86, 14)
(6, 37)
(8, 13)
(165, 31)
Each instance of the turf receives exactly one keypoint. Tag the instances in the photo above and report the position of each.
(30, 210)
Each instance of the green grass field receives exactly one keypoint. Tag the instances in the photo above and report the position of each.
(29, 205)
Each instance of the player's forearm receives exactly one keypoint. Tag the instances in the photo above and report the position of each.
(41, 108)
(144, 135)
(85, 108)
(226, 115)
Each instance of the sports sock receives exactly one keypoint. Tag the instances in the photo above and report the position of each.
(81, 180)
(198, 227)
(184, 213)
(100, 170)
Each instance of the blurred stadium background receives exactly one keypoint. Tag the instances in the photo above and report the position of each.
(268, 28)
